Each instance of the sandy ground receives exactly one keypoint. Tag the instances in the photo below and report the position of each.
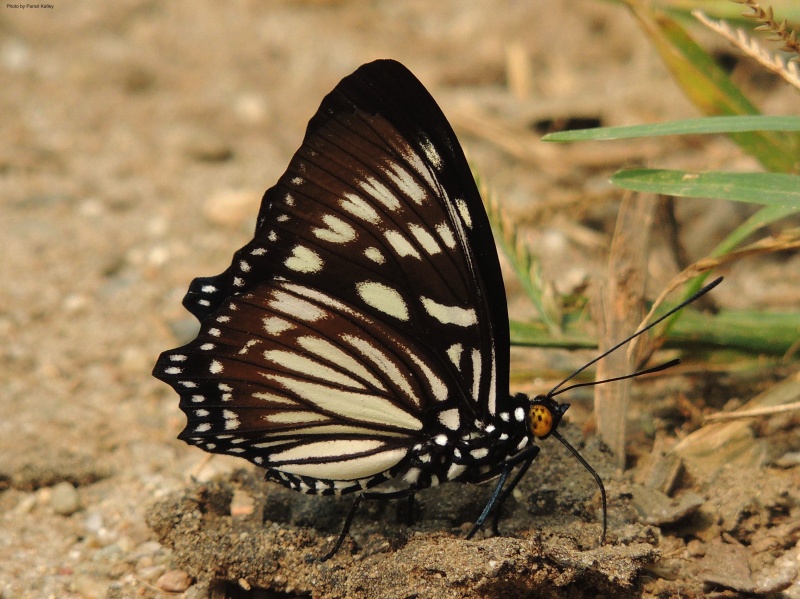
(138, 137)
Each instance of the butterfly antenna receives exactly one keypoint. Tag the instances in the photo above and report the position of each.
(651, 370)
(661, 318)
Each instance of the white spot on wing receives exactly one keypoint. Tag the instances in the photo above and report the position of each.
(318, 296)
(405, 183)
(272, 398)
(476, 374)
(400, 244)
(380, 193)
(454, 353)
(359, 208)
(326, 429)
(231, 420)
(296, 307)
(298, 417)
(446, 234)
(456, 315)
(338, 231)
(493, 384)
(216, 367)
(431, 154)
(345, 468)
(454, 471)
(375, 255)
(384, 298)
(463, 210)
(450, 419)
(479, 453)
(304, 260)
(425, 239)
(411, 476)
(435, 384)
(275, 325)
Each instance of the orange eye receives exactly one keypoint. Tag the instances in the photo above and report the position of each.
(541, 420)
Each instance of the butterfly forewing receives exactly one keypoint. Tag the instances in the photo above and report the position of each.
(369, 301)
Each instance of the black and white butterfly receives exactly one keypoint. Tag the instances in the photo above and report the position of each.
(361, 338)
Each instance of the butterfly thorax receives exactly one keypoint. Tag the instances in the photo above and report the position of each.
(474, 453)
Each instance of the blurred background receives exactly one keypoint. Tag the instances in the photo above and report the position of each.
(137, 139)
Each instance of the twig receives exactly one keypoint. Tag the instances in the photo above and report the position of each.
(755, 412)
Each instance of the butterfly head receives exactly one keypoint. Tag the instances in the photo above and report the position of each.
(544, 415)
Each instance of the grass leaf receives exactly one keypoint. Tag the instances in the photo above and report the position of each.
(705, 125)
(766, 189)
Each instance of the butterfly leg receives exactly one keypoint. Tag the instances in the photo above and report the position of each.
(405, 513)
(507, 491)
(498, 496)
(349, 520)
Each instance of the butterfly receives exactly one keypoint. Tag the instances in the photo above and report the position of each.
(360, 342)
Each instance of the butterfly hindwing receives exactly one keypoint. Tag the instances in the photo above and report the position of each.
(370, 297)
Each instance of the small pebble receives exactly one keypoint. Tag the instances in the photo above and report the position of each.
(25, 505)
(151, 573)
(64, 499)
(205, 147)
(174, 581)
(695, 548)
(93, 522)
(90, 587)
(788, 460)
(251, 108)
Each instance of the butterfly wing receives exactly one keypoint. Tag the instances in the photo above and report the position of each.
(369, 301)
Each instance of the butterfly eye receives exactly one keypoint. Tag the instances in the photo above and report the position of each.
(540, 420)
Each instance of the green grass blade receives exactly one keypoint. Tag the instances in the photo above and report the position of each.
(701, 126)
(754, 332)
(766, 189)
(763, 333)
